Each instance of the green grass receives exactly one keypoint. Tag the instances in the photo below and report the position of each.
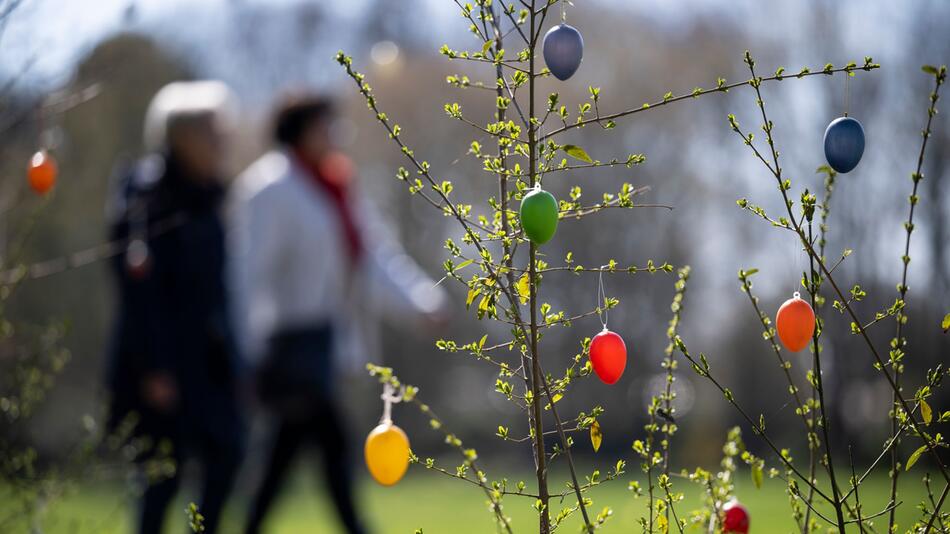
(440, 505)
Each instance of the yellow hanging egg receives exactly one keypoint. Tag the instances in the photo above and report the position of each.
(387, 453)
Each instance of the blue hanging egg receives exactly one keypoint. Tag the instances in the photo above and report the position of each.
(844, 144)
(563, 50)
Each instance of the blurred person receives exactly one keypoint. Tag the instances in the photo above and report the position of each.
(174, 355)
(313, 268)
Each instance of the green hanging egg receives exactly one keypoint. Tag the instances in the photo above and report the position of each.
(539, 215)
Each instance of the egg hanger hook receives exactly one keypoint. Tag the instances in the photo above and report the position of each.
(389, 398)
(602, 313)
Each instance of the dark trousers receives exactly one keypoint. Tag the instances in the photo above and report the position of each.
(323, 427)
(219, 464)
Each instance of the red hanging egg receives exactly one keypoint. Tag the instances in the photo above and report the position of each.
(41, 172)
(795, 322)
(735, 518)
(138, 260)
(608, 356)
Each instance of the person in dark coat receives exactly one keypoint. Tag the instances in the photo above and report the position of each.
(173, 366)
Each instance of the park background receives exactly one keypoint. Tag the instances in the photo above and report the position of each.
(79, 75)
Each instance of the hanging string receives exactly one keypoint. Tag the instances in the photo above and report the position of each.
(798, 264)
(541, 171)
(847, 93)
(389, 397)
(41, 138)
(602, 311)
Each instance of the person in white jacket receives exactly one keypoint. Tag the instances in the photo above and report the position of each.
(312, 269)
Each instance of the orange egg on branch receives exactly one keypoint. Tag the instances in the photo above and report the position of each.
(795, 323)
(387, 453)
(41, 172)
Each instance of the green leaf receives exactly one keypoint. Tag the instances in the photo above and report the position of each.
(757, 475)
(926, 412)
(596, 436)
(946, 323)
(577, 152)
(929, 69)
(914, 457)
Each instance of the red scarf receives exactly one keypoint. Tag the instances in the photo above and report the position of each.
(334, 176)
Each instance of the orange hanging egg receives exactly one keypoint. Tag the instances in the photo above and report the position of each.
(387, 453)
(795, 322)
(41, 172)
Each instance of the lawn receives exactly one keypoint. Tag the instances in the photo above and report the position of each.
(439, 505)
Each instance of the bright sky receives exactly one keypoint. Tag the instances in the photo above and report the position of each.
(52, 33)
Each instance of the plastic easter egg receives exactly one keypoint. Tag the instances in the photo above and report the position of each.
(795, 322)
(608, 356)
(844, 144)
(563, 50)
(138, 260)
(387, 453)
(41, 172)
(735, 518)
(539, 212)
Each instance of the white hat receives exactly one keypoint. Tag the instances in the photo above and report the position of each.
(179, 100)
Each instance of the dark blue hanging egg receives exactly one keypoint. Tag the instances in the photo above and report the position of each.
(844, 144)
(563, 50)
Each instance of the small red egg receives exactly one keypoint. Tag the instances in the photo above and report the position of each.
(608, 356)
(41, 172)
(138, 260)
(735, 518)
(795, 322)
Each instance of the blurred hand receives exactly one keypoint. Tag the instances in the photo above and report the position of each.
(160, 391)
(437, 319)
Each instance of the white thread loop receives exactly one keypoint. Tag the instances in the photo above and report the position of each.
(602, 312)
(798, 262)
